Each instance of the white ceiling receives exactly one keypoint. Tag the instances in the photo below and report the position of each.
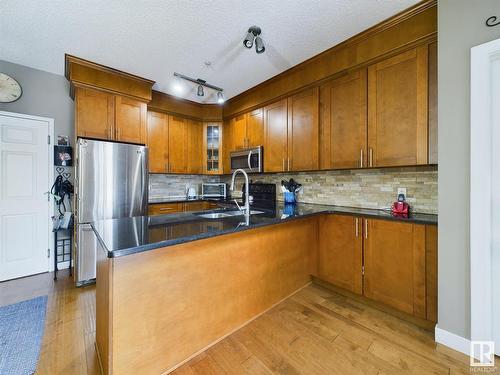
(154, 38)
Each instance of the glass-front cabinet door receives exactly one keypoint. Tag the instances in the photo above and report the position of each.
(213, 147)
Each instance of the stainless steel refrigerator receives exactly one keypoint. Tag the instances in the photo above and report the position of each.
(111, 182)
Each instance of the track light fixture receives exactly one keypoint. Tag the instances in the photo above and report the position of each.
(202, 83)
(253, 35)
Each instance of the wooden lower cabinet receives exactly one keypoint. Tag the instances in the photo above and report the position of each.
(165, 208)
(199, 205)
(394, 265)
(171, 208)
(340, 252)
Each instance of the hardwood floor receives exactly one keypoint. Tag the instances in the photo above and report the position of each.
(315, 331)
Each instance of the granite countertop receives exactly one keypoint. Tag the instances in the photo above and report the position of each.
(132, 235)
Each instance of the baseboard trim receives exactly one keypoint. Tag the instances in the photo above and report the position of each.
(455, 342)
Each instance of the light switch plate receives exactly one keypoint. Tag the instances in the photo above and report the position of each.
(402, 191)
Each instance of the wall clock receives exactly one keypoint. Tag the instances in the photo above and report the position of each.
(10, 89)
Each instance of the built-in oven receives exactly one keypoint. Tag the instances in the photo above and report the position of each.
(250, 160)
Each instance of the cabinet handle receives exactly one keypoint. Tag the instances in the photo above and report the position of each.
(371, 157)
(357, 230)
(166, 208)
(288, 165)
(361, 158)
(366, 228)
(283, 164)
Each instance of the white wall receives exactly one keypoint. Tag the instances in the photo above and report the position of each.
(44, 94)
(461, 25)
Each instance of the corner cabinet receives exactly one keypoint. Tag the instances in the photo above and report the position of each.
(101, 115)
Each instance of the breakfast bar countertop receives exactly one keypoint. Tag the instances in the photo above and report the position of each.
(132, 235)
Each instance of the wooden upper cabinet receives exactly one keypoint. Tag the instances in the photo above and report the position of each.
(255, 128)
(130, 120)
(194, 147)
(394, 256)
(340, 254)
(433, 105)
(343, 122)
(238, 132)
(275, 136)
(226, 146)
(158, 142)
(177, 144)
(94, 114)
(303, 131)
(397, 109)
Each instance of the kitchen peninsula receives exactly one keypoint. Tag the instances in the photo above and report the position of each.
(178, 288)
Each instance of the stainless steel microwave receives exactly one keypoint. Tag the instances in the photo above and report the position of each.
(250, 160)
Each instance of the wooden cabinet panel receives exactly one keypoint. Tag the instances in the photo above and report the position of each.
(238, 132)
(433, 105)
(199, 206)
(158, 142)
(275, 136)
(303, 128)
(397, 109)
(165, 208)
(255, 128)
(226, 146)
(394, 265)
(340, 251)
(431, 271)
(194, 147)
(343, 122)
(177, 144)
(130, 120)
(94, 114)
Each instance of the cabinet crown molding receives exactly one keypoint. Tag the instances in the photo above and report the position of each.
(84, 73)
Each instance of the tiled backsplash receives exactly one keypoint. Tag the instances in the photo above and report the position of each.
(175, 185)
(369, 188)
(373, 188)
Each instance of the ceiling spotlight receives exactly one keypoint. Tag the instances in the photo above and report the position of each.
(253, 34)
(200, 91)
(177, 87)
(259, 45)
(220, 97)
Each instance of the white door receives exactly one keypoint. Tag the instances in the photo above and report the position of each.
(24, 206)
(485, 193)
